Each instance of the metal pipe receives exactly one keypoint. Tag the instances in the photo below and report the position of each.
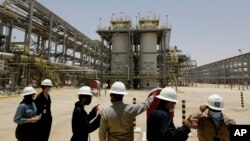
(50, 35)
(64, 45)
(10, 56)
(74, 52)
(31, 6)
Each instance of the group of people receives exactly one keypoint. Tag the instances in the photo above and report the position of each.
(33, 115)
(115, 123)
(210, 122)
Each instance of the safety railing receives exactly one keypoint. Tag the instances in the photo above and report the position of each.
(47, 72)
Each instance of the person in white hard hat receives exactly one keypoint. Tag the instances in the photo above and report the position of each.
(213, 125)
(25, 116)
(160, 125)
(81, 125)
(43, 104)
(117, 120)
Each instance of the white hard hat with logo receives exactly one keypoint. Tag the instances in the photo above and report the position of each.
(168, 94)
(118, 88)
(215, 102)
(47, 82)
(28, 91)
(84, 90)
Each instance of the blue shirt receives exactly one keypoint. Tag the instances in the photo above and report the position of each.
(24, 112)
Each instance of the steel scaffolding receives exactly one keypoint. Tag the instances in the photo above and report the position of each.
(54, 49)
(230, 71)
(50, 44)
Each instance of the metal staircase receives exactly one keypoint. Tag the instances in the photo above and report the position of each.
(47, 72)
(172, 61)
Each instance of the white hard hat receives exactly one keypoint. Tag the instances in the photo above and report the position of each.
(28, 91)
(118, 88)
(168, 94)
(84, 90)
(47, 82)
(215, 102)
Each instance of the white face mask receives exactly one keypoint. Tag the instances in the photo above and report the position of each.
(34, 97)
(172, 109)
(49, 90)
(214, 115)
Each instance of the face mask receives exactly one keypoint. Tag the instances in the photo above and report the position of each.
(172, 109)
(28, 99)
(49, 90)
(34, 97)
(88, 100)
(171, 112)
(214, 115)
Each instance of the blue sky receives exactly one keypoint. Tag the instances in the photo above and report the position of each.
(208, 30)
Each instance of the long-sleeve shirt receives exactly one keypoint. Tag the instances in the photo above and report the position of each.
(117, 120)
(81, 124)
(24, 112)
(160, 127)
(207, 130)
(25, 131)
(43, 104)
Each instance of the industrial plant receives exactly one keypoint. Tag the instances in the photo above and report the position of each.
(140, 56)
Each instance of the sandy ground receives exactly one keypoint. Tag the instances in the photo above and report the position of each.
(63, 100)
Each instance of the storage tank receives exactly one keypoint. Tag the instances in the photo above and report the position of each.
(120, 45)
(119, 62)
(148, 59)
(148, 51)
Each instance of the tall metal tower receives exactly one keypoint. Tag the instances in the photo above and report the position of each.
(137, 55)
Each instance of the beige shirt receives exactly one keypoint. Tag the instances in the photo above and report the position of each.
(117, 120)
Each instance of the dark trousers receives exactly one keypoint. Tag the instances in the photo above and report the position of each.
(26, 132)
(43, 130)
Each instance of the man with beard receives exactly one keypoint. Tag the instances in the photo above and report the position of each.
(81, 125)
